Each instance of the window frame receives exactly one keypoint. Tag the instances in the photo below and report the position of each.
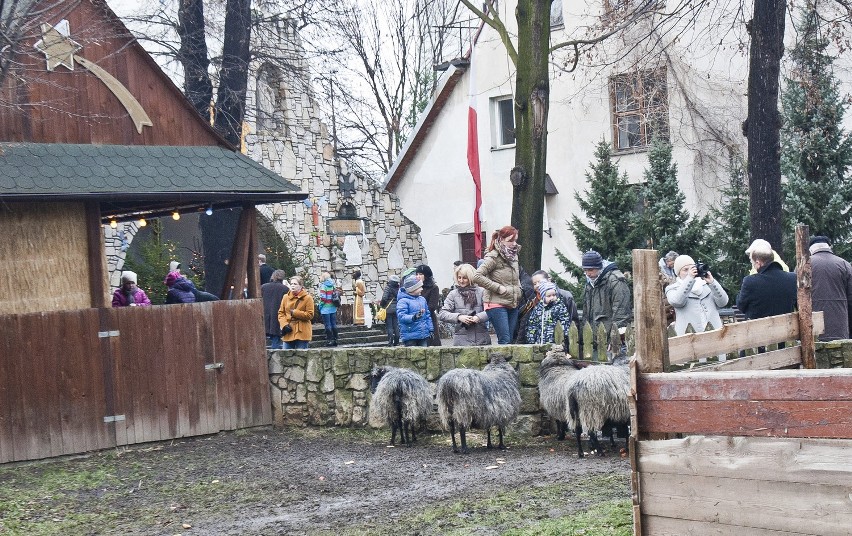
(497, 130)
(646, 107)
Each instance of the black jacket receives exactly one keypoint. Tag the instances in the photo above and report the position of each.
(769, 292)
(389, 297)
(272, 294)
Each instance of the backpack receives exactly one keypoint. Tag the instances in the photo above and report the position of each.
(335, 298)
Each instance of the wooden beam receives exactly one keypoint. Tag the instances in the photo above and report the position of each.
(785, 403)
(732, 337)
(805, 305)
(776, 359)
(649, 319)
(98, 287)
(252, 266)
(237, 267)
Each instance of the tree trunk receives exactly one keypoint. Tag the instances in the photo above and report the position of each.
(193, 56)
(233, 78)
(764, 120)
(532, 100)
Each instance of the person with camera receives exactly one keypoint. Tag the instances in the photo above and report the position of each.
(695, 295)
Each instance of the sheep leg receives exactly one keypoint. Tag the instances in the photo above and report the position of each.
(561, 428)
(398, 420)
(488, 439)
(593, 439)
(463, 441)
(411, 428)
(578, 431)
(501, 446)
(453, 435)
(393, 433)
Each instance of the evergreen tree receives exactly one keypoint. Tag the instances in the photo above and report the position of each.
(610, 205)
(666, 225)
(816, 152)
(730, 230)
(149, 258)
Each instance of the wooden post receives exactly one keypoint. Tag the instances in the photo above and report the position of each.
(803, 282)
(649, 318)
(237, 265)
(98, 287)
(252, 268)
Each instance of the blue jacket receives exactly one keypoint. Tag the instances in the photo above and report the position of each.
(770, 292)
(409, 328)
(181, 292)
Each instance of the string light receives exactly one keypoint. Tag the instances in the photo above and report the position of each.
(176, 215)
(113, 223)
(209, 210)
(142, 222)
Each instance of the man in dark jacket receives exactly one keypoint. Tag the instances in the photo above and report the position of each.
(832, 288)
(769, 292)
(272, 294)
(389, 302)
(266, 271)
(608, 299)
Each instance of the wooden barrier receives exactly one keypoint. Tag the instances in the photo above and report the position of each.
(75, 381)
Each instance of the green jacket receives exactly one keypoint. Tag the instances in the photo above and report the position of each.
(609, 300)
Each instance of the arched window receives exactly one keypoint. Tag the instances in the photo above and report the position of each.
(347, 210)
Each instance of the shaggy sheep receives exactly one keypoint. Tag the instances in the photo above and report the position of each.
(479, 399)
(591, 398)
(401, 398)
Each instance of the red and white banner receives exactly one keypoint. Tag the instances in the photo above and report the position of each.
(473, 158)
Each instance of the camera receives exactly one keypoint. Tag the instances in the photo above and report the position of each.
(702, 269)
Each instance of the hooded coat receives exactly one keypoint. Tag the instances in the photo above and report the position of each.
(182, 291)
(120, 299)
(608, 300)
(410, 328)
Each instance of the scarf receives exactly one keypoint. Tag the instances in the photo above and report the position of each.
(468, 295)
(509, 253)
(698, 287)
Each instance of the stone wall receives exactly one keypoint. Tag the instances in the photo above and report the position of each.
(834, 354)
(328, 387)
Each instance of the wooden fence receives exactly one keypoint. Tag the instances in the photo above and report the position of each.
(74, 381)
(734, 447)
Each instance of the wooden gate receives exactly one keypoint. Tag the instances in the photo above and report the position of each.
(74, 381)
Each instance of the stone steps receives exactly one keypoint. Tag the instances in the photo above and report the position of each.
(350, 336)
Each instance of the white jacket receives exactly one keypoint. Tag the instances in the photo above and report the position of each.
(696, 308)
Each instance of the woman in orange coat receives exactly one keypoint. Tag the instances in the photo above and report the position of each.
(297, 312)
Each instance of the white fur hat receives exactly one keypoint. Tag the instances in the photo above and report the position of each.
(680, 262)
(128, 277)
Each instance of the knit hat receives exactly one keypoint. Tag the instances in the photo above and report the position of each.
(128, 277)
(544, 286)
(411, 284)
(174, 266)
(171, 278)
(680, 262)
(394, 278)
(759, 246)
(592, 259)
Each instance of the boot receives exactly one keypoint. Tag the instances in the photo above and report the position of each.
(334, 336)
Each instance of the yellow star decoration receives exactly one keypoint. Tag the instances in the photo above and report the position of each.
(58, 48)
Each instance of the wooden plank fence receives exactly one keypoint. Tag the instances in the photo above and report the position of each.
(733, 447)
(75, 381)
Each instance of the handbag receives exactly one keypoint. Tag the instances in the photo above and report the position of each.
(287, 329)
(382, 313)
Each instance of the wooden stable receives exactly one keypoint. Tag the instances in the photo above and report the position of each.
(97, 378)
(736, 447)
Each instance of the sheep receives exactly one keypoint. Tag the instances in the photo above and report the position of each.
(401, 398)
(585, 398)
(479, 399)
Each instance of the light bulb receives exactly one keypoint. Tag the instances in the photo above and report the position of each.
(113, 224)
(176, 215)
(142, 222)
(209, 210)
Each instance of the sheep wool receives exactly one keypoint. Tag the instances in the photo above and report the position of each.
(554, 371)
(479, 399)
(402, 399)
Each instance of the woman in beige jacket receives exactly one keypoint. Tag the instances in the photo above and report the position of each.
(499, 275)
(297, 312)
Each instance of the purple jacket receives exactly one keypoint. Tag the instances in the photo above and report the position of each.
(119, 298)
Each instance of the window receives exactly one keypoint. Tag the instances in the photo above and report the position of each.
(503, 121)
(556, 14)
(468, 251)
(639, 103)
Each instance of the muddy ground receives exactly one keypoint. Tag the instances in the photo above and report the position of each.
(308, 481)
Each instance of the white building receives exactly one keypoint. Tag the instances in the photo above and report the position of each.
(690, 83)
